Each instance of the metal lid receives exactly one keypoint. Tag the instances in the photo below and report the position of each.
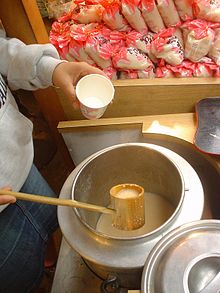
(186, 260)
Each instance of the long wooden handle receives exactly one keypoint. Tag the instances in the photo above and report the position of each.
(58, 201)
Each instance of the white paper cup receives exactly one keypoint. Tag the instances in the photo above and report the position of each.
(94, 92)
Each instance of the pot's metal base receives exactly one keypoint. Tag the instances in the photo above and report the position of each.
(72, 274)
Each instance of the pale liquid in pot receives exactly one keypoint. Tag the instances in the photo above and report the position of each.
(157, 211)
(127, 193)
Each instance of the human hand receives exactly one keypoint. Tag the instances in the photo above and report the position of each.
(5, 199)
(67, 74)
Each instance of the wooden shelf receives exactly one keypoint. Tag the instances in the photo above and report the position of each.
(181, 125)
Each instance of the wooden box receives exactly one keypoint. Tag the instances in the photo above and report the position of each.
(133, 97)
(140, 97)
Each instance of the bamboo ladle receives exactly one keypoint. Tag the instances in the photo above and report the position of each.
(126, 213)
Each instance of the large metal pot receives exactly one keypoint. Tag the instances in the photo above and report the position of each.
(158, 170)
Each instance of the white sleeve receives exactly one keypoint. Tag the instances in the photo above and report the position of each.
(27, 66)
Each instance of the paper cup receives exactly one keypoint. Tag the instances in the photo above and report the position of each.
(94, 92)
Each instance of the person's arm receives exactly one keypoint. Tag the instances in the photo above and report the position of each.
(38, 66)
(27, 66)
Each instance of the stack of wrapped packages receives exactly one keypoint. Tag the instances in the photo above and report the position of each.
(142, 38)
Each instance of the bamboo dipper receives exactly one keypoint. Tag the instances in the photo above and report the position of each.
(128, 202)
(120, 219)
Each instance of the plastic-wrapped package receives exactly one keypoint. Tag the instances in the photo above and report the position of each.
(207, 9)
(131, 11)
(128, 74)
(216, 72)
(198, 39)
(164, 72)
(118, 39)
(65, 54)
(178, 33)
(183, 72)
(204, 69)
(184, 9)
(92, 42)
(168, 12)
(60, 37)
(79, 34)
(190, 69)
(111, 72)
(142, 42)
(167, 46)
(131, 58)
(185, 69)
(214, 51)
(146, 73)
(77, 50)
(137, 74)
(152, 16)
(87, 13)
(69, 58)
(113, 18)
(89, 2)
(98, 47)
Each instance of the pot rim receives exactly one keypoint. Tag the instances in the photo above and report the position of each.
(152, 233)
